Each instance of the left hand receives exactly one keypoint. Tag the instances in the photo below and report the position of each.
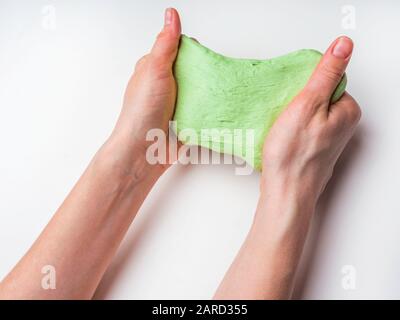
(150, 96)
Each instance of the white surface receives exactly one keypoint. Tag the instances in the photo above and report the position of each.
(60, 93)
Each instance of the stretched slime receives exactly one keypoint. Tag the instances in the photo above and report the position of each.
(234, 95)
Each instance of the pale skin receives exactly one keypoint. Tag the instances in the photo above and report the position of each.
(299, 156)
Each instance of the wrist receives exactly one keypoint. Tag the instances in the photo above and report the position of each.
(285, 185)
(126, 162)
(284, 198)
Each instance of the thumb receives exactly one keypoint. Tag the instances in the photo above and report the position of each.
(166, 46)
(330, 69)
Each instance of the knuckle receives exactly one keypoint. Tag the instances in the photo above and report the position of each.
(156, 63)
(331, 72)
(159, 67)
(337, 124)
(354, 113)
(311, 100)
(141, 61)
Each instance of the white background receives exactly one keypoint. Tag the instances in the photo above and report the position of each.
(61, 87)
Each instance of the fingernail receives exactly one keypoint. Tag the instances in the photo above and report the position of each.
(343, 48)
(168, 17)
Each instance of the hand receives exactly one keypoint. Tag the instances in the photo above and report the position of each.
(149, 99)
(308, 137)
(299, 155)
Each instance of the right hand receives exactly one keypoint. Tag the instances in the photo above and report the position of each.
(305, 142)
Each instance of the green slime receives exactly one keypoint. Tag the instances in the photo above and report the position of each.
(218, 92)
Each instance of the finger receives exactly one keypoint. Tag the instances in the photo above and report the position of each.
(330, 69)
(166, 46)
(346, 109)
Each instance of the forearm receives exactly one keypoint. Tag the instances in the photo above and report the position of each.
(266, 264)
(87, 229)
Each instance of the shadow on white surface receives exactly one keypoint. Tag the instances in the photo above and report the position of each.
(326, 208)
